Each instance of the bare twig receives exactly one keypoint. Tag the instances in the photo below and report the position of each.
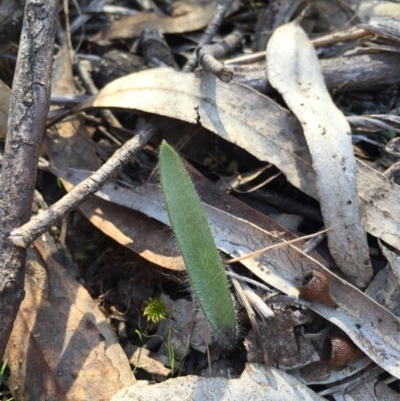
(312, 243)
(208, 54)
(345, 35)
(252, 317)
(25, 235)
(29, 106)
(91, 88)
(272, 247)
(209, 33)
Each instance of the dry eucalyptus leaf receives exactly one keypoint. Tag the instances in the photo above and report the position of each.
(293, 69)
(370, 390)
(385, 289)
(185, 17)
(182, 321)
(367, 9)
(255, 123)
(256, 383)
(393, 260)
(385, 286)
(285, 349)
(61, 346)
(322, 373)
(371, 327)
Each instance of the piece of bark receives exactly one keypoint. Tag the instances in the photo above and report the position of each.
(155, 50)
(343, 74)
(29, 106)
(115, 64)
(362, 72)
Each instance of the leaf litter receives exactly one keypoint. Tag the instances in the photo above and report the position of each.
(135, 216)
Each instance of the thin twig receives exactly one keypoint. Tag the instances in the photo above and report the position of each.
(346, 35)
(209, 34)
(91, 88)
(68, 28)
(207, 55)
(272, 247)
(29, 106)
(252, 317)
(25, 235)
(312, 243)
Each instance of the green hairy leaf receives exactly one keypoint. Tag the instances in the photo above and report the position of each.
(200, 254)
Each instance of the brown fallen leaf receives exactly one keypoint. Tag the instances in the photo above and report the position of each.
(61, 346)
(143, 235)
(185, 17)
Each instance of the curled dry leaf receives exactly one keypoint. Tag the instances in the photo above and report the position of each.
(293, 69)
(61, 346)
(255, 123)
(371, 327)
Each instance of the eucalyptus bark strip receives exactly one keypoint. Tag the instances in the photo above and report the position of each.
(29, 105)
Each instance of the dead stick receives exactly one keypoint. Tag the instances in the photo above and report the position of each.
(25, 235)
(207, 55)
(273, 247)
(29, 106)
(210, 32)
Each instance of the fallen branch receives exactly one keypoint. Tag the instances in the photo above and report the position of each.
(29, 106)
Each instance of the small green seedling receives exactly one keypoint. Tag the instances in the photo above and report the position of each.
(155, 310)
(2, 369)
(171, 353)
(200, 254)
(137, 364)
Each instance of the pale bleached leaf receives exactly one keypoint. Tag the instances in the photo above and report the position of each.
(256, 383)
(293, 69)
